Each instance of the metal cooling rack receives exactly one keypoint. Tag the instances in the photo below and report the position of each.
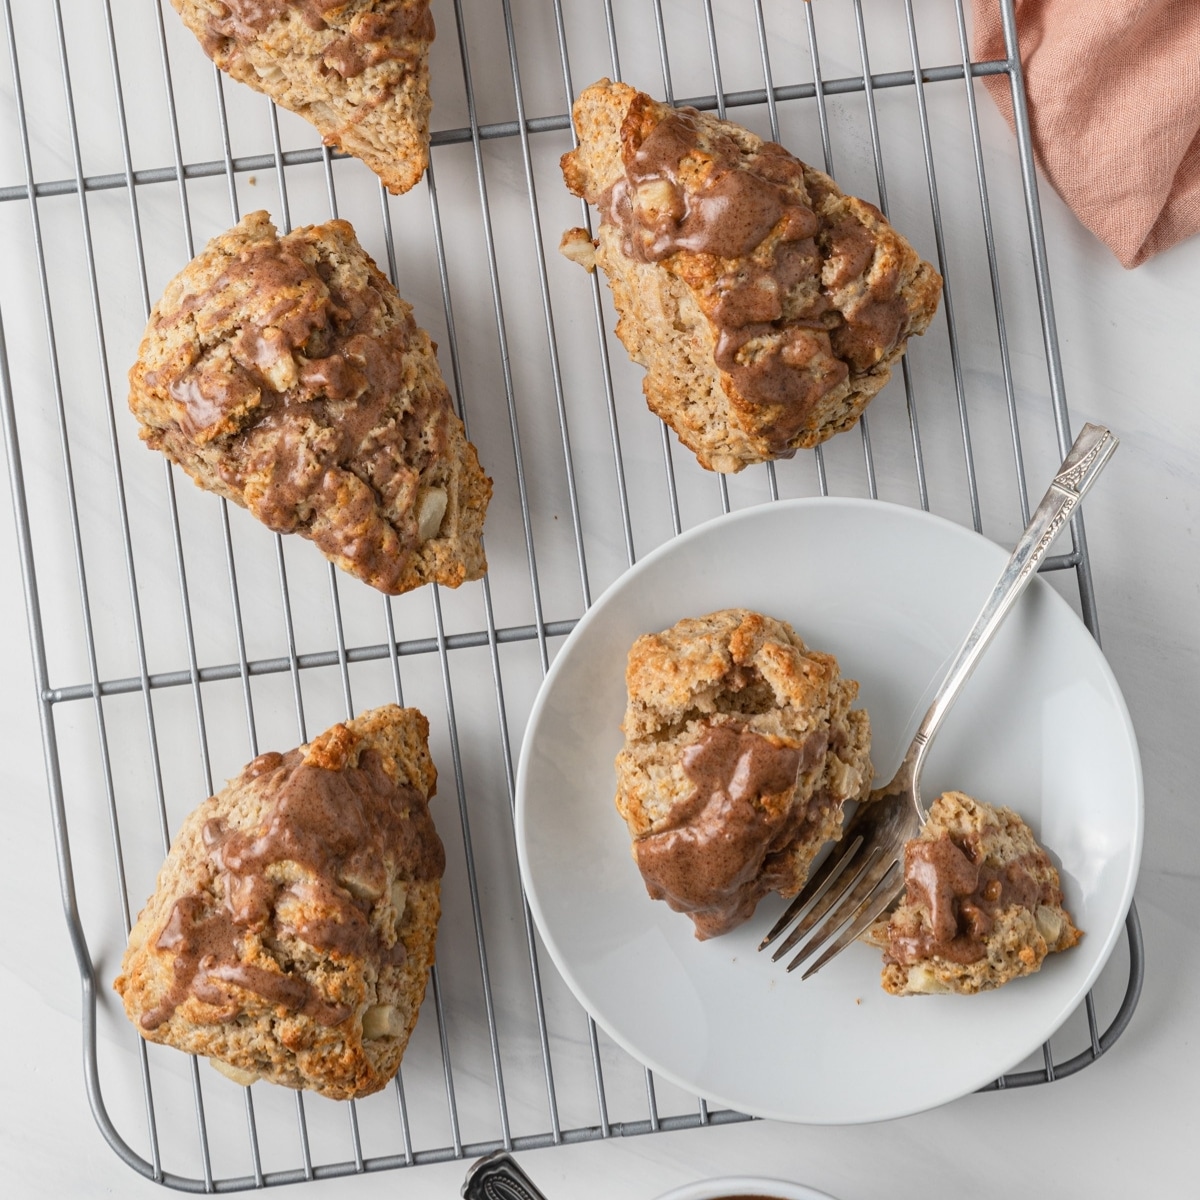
(172, 638)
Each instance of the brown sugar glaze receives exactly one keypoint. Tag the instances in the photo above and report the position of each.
(711, 859)
(396, 31)
(334, 825)
(963, 895)
(299, 396)
(783, 343)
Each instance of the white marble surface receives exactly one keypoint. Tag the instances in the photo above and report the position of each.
(1118, 1128)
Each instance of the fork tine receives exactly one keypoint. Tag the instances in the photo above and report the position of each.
(857, 835)
(853, 901)
(833, 896)
(888, 889)
(816, 884)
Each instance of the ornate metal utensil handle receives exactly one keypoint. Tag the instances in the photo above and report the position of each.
(1091, 450)
(497, 1177)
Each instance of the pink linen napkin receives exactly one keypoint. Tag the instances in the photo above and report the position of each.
(1113, 90)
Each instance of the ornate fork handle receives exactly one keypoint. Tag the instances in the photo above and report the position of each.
(1091, 450)
(497, 1177)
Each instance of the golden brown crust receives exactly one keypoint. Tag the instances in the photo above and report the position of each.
(749, 671)
(287, 374)
(356, 69)
(842, 289)
(376, 992)
(1021, 935)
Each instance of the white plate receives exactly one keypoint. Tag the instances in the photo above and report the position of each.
(749, 1187)
(1041, 727)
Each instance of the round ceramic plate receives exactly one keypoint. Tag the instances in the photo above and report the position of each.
(744, 1187)
(1041, 727)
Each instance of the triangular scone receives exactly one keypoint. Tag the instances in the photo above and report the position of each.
(292, 928)
(766, 306)
(287, 374)
(982, 906)
(356, 69)
(741, 750)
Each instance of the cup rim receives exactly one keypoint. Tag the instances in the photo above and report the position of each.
(744, 1185)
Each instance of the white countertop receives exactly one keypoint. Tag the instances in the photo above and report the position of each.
(1118, 1127)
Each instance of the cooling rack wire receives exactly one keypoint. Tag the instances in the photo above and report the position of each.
(171, 640)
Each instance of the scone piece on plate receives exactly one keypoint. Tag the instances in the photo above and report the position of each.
(766, 306)
(293, 925)
(740, 749)
(287, 375)
(356, 69)
(982, 904)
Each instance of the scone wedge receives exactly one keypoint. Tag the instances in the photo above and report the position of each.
(767, 307)
(287, 375)
(292, 928)
(741, 747)
(982, 905)
(356, 69)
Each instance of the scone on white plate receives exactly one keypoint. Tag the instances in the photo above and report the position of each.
(767, 307)
(982, 904)
(740, 750)
(292, 928)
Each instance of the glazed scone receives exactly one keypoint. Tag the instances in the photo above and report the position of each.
(982, 904)
(287, 374)
(740, 750)
(356, 69)
(767, 307)
(292, 928)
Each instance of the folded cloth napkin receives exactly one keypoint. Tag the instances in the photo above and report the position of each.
(1113, 89)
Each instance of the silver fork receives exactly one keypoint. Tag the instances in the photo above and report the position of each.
(865, 871)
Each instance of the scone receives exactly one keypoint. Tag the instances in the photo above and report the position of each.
(292, 929)
(767, 307)
(356, 69)
(287, 374)
(982, 904)
(740, 749)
